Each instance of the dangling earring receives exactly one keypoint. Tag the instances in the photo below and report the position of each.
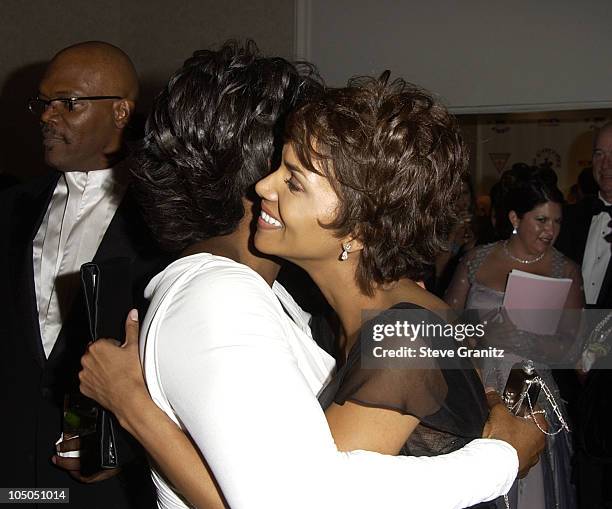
(346, 247)
(514, 231)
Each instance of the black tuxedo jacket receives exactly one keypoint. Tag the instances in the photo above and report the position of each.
(572, 242)
(32, 387)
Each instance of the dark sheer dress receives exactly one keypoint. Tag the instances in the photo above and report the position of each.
(446, 395)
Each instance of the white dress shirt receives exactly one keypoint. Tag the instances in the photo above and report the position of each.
(81, 208)
(224, 360)
(596, 255)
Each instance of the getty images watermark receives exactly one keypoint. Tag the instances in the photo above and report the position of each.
(422, 340)
(415, 338)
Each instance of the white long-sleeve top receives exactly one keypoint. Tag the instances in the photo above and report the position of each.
(223, 359)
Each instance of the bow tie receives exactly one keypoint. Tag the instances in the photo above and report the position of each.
(599, 207)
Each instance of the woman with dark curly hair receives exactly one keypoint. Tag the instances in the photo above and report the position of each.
(529, 223)
(227, 354)
(364, 201)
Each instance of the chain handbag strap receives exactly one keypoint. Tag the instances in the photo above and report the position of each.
(532, 413)
(553, 403)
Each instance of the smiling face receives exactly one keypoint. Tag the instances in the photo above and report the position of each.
(295, 202)
(80, 139)
(602, 162)
(538, 229)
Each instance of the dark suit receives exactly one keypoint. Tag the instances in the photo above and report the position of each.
(572, 243)
(590, 402)
(32, 387)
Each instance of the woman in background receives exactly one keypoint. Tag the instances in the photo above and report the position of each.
(531, 223)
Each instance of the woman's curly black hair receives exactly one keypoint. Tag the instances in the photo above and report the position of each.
(396, 159)
(213, 132)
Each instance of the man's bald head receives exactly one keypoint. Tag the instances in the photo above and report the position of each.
(91, 89)
(110, 66)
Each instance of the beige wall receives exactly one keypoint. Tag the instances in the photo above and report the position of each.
(479, 56)
(157, 34)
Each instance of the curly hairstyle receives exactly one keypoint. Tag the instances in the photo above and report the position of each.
(213, 132)
(396, 159)
(524, 188)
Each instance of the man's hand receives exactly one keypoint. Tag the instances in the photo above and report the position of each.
(522, 434)
(73, 464)
(112, 374)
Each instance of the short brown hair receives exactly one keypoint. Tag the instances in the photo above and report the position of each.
(396, 159)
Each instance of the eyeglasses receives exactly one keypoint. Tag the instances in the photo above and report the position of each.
(38, 106)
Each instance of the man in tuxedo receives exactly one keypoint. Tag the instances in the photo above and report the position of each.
(78, 213)
(586, 229)
(586, 237)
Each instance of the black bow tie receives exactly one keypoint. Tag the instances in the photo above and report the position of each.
(599, 207)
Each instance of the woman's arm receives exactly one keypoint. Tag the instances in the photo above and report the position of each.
(169, 446)
(234, 382)
(113, 377)
(356, 426)
(492, 462)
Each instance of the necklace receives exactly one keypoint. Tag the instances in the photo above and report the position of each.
(520, 260)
